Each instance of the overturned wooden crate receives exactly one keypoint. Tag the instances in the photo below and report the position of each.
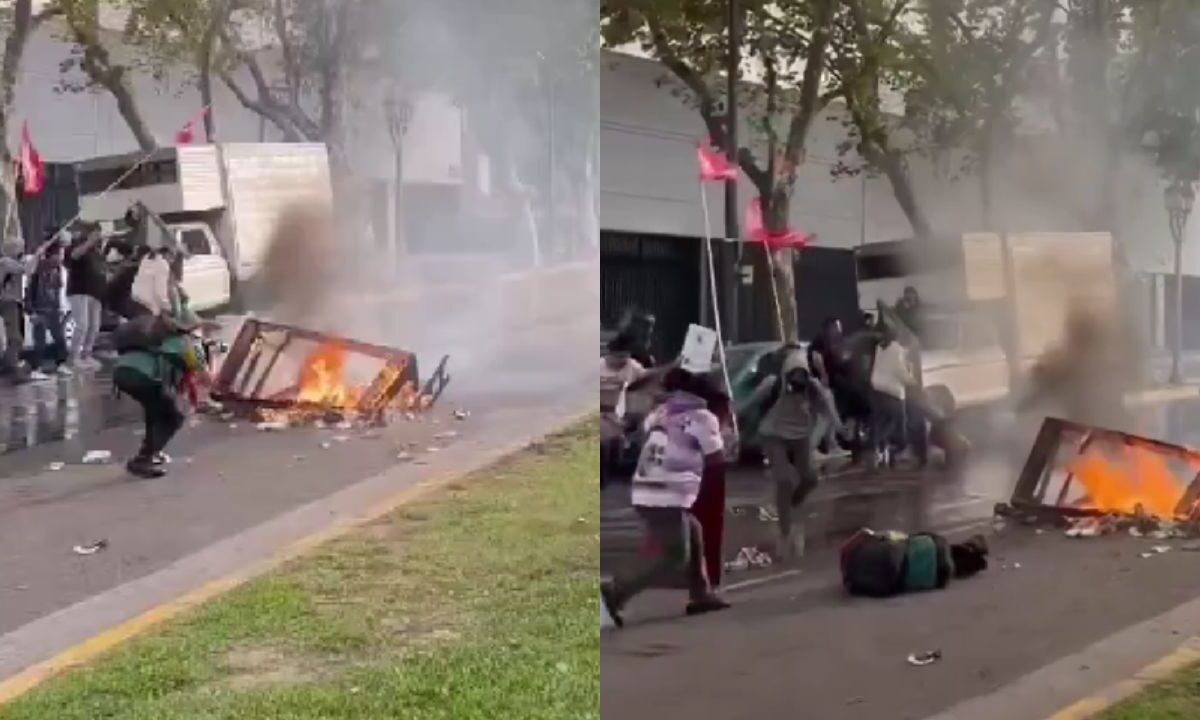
(273, 369)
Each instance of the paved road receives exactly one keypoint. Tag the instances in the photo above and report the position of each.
(799, 647)
(521, 356)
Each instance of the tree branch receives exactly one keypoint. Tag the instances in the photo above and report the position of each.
(810, 97)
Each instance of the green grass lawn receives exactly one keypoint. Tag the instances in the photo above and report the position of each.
(480, 602)
(1177, 698)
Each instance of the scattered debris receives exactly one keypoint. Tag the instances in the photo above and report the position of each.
(233, 426)
(344, 425)
(747, 558)
(56, 466)
(326, 445)
(91, 549)
(462, 414)
(272, 426)
(1160, 549)
(448, 435)
(433, 449)
(405, 457)
(97, 457)
(924, 658)
(767, 515)
(1190, 547)
(341, 438)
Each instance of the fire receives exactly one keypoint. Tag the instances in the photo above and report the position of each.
(1130, 475)
(322, 379)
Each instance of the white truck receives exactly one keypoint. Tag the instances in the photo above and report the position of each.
(221, 202)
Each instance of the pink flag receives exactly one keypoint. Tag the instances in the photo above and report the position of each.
(187, 135)
(713, 166)
(756, 230)
(30, 165)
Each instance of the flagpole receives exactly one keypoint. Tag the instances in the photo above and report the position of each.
(712, 284)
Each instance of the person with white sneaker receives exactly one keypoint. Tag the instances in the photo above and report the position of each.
(86, 287)
(44, 300)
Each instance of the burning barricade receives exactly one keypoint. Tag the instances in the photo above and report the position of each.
(1094, 482)
(282, 375)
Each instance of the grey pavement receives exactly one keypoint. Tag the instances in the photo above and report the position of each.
(801, 648)
(235, 496)
(798, 647)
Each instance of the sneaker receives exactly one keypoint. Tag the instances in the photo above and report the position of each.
(608, 597)
(145, 469)
(708, 604)
(37, 376)
(63, 371)
(161, 458)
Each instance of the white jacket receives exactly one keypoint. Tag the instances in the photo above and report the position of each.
(152, 285)
(891, 374)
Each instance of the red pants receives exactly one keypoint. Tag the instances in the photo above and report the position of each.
(709, 509)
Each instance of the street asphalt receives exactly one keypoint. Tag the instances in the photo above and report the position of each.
(522, 359)
(800, 648)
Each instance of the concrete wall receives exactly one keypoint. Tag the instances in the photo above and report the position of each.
(648, 172)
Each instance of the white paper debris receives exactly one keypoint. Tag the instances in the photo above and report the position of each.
(56, 466)
(91, 549)
(96, 457)
(272, 426)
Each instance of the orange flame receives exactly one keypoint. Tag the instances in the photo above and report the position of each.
(1139, 475)
(322, 379)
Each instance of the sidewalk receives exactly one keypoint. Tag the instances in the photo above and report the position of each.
(800, 648)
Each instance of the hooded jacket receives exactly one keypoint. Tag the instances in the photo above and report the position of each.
(679, 434)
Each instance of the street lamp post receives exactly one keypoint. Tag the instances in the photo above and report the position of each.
(1178, 197)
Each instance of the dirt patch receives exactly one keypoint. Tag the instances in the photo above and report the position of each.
(256, 667)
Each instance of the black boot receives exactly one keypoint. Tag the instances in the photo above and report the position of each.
(144, 468)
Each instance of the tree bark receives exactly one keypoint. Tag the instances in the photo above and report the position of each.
(895, 170)
(776, 212)
(99, 66)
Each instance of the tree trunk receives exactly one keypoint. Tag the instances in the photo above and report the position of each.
(893, 166)
(781, 262)
(98, 64)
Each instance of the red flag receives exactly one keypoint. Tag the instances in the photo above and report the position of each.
(757, 232)
(30, 165)
(187, 135)
(713, 166)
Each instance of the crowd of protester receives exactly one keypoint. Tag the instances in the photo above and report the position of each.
(826, 398)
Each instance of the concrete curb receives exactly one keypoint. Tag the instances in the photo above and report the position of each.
(82, 632)
(1183, 656)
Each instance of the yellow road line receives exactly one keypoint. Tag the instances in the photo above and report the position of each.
(17, 685)
(1178, 659)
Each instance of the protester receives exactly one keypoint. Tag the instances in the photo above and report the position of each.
(151, 287)
(830, 361)
(890, 378)
(87, 285)
(14, 267)
(683, 438)
(709, 507)
(787, 431)
(154, 377)
(618, 370)
(908, 309)
(44, 303)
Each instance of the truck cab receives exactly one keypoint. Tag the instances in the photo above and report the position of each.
(206, 276)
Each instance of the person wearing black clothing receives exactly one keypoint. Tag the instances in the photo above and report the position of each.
(87, 284)
(44, 301)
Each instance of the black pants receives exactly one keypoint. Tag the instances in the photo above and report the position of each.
(48, 322)
(162, 415)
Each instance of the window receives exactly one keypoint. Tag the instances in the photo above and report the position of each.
(196, 242)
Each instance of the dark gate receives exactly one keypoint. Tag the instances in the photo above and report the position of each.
(658, 274)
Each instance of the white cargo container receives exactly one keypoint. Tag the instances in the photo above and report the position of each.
(183, 185)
